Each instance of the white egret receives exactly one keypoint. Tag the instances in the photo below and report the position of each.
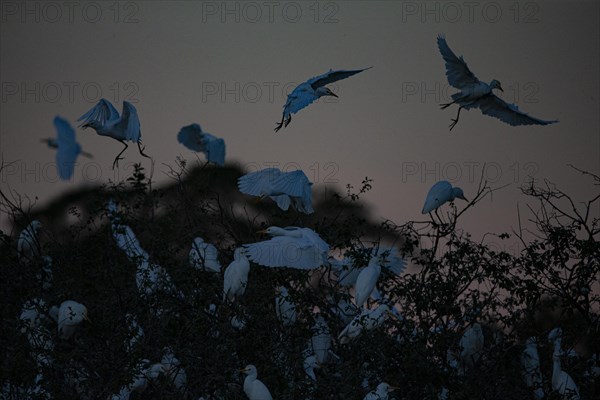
(366, 281)
(381, 393)
(310, 364)
(285, 188)
(204, 256)
(320, 342)
(284, 307)
(367, 320)
(70, 316)
(471, 345)
(67, 148)
(28, 245)
(474, 93)
(309, 91)
(144, 373)
(254, 388)
(561, 380)
(195, 139)
(236, 276)
(440, 193)
(345, 310)
(530, 362)
(32, 314)
(347, 272)
(291, 247)
(173, 370)
(106, 121)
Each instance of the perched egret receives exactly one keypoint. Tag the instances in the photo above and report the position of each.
(367, 319)
(173, 370)
(32, 314)
(474, 93)
(285, 188)
(366, 281)
(203, 256)
(310, 364)
(236, 276)
(28, 246)
(106, 121)
(320, 342)
(254, 388)
(530, 361)
(471, 345)
(381, 393)
(309, 91)
(70, 315)
(284, 307)
(561, 380)
(347, 272)
(195, 139)
(67, 148)
(292, 247)
(440, 193)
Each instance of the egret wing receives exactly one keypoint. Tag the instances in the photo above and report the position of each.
(333, 76)
(283, 251)
(130, 122)
(215, 149)
(259, 182)
(102, 112)
(291, 183)
(494, 106)
(191, 137)
(301, 97)
(438, 195)
(459, 75)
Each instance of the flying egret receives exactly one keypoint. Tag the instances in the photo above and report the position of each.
(67, 148)
(381, 393)
(561, 380)
(284, 307)
(28, 245)
(203, 256)
(320, 342)
(530, 362)
(474, 93)
(309, 91)
(236, 276)
(292, 247)
(440, 193)
(70, 315)
(366, 281)
(106, 121)
(367, 319)
(195, 139)
(285, 188)
(254, 388)
(471, 345)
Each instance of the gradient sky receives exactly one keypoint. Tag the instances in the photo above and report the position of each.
(229, 65)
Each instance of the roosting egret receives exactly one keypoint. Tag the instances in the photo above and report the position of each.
(320, 342)
(440, 193)
(561, 380)
(284, 307)
(292, 247)
(284, 188)
(381, 393)
(471, 345)
(67, 148)
(28, 245)
(195, 139)
(106, 121)
(309, 91)
(530, 361)
(367, 319)
(203, 256)
(70, 315)
(366, 281)
(347, 272)
(254, 388)
(310, 364)
(236, 276)
(474, 93)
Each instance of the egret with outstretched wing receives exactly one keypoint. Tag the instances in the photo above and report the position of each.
(309, 91)
(195, 139)
(474, 93)
(106, 121)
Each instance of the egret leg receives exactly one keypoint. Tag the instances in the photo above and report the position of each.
(141, 149)
(289, 119)
(280, 124)
(116, 162)
(443, 106)
(455, 121)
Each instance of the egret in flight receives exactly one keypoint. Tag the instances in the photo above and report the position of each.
(106, 121)
(195, 139)
(474, 93)
(291, 247)
(284, 188)
(67, 148)
(309, 91)
(440, 193)
(254, 388)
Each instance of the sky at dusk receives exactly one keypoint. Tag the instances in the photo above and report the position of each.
(228, 66)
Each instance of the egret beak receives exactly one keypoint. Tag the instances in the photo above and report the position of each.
(464, 198)
(263, 232)
(242, 370)
(333, 94)
(500, 88)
